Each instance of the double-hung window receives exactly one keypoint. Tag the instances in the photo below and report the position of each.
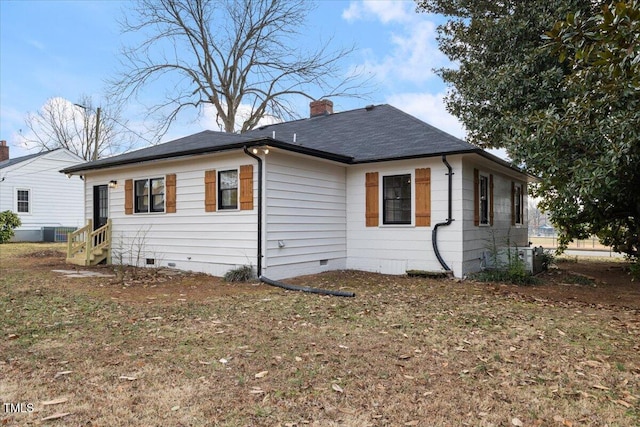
(23, 200)
(149, 195)
(484, 200)
(228, 189)
(396, 190)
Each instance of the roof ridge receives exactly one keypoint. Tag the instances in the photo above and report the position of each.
(263, 127)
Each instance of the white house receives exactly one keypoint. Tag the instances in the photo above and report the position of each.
(45, 199)
(370, 189)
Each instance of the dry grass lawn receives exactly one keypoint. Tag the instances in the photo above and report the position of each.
(190, 350)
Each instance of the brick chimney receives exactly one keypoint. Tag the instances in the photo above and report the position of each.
(4, 151)
(322, 107)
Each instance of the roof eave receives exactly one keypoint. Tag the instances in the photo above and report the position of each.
(494, 158)
(414, 156)
(478, 151)
(87, 167)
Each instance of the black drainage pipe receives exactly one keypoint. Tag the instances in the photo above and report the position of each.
(306, 288)
(434, 233)
(259, 254)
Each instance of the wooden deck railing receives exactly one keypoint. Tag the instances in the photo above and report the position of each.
(87, 247)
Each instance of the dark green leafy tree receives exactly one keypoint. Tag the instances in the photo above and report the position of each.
(555, 84)
(595, 132)
(502, 75)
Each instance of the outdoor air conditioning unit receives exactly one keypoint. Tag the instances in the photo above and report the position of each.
(531, 257)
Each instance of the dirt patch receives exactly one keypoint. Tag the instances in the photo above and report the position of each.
(47, 253)
(595, 283)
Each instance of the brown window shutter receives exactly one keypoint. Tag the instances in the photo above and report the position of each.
(476, 197)
(128, 197)
(210, 191)
(371, 185)
(246, 187)
(423, 197)
(170, 188)
(513, 203)
(490, 199)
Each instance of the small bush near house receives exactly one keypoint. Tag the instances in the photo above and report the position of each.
(240, 274)
(9, 221)
(514, 273)
(547, 259)
(513, 270)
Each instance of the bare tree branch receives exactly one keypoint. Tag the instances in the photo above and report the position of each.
(63, 124)
(228, 54)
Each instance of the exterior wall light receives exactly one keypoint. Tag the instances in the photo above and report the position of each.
(113, 184)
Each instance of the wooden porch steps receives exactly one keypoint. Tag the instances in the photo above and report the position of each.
(86, 247)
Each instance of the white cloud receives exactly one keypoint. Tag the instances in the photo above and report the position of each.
(429, 108)
(383, 10)
(413, 57)
(414, 52)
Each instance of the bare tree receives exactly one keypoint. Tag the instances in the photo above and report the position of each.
(89, 132)
(229, 54)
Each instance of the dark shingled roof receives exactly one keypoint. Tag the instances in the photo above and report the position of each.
(374, 133)
(203, 142)
(370, 134)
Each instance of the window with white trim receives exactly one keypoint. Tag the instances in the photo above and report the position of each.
(23, 200)
(396, 199)
(149, 195)
(228, 189)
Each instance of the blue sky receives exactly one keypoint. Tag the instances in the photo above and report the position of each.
(69, 48)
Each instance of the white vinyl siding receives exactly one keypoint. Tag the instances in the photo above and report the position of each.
(480, 239)
(54, 199)
(305, 216)
(314, 217)
(190, 239)
(394, 249)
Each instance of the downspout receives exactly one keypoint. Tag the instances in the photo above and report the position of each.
(434, 233)
(247, 152)
(275, 282)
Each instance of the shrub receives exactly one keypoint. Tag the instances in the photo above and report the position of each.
(240, 274)
(515, 273)
(512, 270)
(548, 258)
(9, 221)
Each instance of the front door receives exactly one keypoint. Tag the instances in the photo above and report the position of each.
(100, 205)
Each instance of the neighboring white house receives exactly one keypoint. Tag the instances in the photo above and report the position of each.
(45, 199)
(369, 189)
